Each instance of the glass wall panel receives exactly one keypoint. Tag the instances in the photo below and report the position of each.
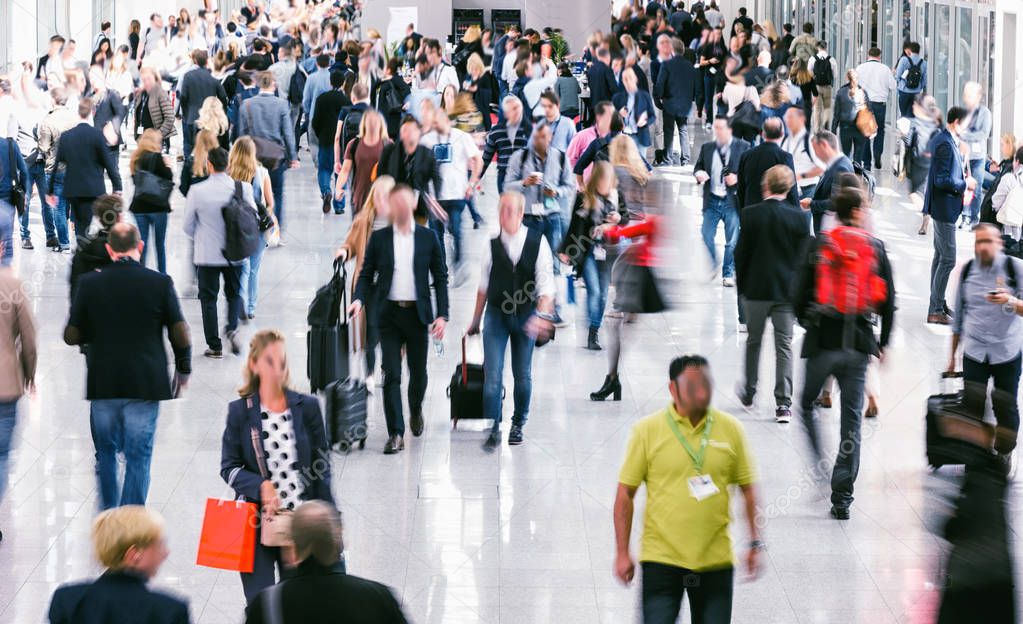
(964, 53)
(940, 45)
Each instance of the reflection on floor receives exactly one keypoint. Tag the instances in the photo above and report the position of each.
(523, 535)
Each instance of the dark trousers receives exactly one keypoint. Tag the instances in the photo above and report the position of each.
(81, 213)
(849, 368)
(501, 171)
(876, 146)
(209, 290)
(671, 122)
(906, 103)
(710, 594)
(1003, 399)
(277, 186)
(402, 327)
(709, 90)
(187, 138)
(854, 144)
(454, 208)
(265, 566)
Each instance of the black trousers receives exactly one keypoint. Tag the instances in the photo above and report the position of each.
(81, 213)
(402, 327)
(710, 594)
(209, 290)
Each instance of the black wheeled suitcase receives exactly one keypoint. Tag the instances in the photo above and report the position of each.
(941, 449)
(345, 410)
(466, 391)
(327, 340)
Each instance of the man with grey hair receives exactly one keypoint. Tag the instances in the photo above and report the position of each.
(505, 138)
(319, 590)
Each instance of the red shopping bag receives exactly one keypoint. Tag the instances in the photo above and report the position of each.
(228, 538)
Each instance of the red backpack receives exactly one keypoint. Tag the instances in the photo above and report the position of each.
(848, 282)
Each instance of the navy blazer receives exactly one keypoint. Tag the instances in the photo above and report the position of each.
(195, 86)
(237, 452)
(86, 154)
(821, 201)
(644, 104)
(752, 167)
(115, 597)
(426, 260)
(943, 199)
(705, 162)
(602, 83)
(675, 89)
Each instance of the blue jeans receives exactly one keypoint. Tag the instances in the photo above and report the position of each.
(38, 174)
(942, 263)
(277, 186)
(8, 214)
(977, 168)
(553, 229)
(454, 208)
(501, 171)
(8, 418)
(710, 594)
(158, 221)
(721, 209)
(250, 280)
(325, 178)
(498, 330)
(597, 276)
(59, 214)
(471, 205)
(126, 426)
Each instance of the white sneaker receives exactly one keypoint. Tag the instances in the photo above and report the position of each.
(728, 282)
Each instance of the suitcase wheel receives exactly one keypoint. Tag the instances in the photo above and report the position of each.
(344, 446)
(362, 444)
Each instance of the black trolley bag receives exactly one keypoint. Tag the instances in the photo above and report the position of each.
(345, 410)
(466, 391)
(327, 340)
(941, 449)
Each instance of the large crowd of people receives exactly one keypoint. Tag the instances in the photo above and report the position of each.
(217, 107)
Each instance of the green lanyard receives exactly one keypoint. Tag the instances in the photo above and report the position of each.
(697, 458)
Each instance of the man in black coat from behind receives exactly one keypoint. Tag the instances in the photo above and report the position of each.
(318, 590)
(601, 80)
(755, 163)
(197, 85)
(674, 93)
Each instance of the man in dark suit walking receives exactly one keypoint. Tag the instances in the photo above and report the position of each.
(197, 85)
(825, 146)
(85, 153)
(402, 258)
(947, 182)
(122, 313)
(716, 170)
(601, 80)
(773, 235)
(674, 94)
(757, 161)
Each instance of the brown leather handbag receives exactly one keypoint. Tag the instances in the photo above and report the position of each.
(866, 123)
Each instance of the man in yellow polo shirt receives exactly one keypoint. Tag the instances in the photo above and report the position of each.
(688, 454)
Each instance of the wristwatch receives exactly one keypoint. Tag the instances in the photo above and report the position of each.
(757, 545)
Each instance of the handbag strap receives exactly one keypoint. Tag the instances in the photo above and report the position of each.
(257, 448)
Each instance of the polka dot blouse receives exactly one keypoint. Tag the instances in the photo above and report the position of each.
(281, 454)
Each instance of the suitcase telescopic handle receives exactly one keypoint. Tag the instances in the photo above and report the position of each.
(465, 372)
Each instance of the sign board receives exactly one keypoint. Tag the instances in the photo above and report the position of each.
(400, 18)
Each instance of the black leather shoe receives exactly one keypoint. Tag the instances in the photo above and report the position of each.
(840, 513)
(417, 422)
(493, 441)
(612, 386)
(591, 340)
(515, 435)
(394, 445)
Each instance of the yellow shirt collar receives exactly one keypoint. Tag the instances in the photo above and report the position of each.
(685, 422)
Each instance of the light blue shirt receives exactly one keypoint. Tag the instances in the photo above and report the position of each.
(562, 133)
(902, 70)
(316, 85)
(988, 332)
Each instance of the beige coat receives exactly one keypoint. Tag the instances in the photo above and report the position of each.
(17, 338)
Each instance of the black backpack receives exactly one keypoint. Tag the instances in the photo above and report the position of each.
(867, 178)
(296, 87)
(823, 75)
(350, 127)
(915, 75)
(241, 227)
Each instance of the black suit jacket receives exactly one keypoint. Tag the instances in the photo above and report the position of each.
(705, 162)
(427, 261)
(317, 593)
(122, 312)
(422, 173)
(602, 83)
(769, 250)
(86, 154)
(238, 455)
(110, 109)
(115, 597)
(752, 167)
(821, 201)
(326, 112)
(196, 86)
(675, 89)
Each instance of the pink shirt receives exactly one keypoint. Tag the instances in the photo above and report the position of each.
(578, 145)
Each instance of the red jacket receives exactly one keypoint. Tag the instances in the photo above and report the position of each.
(644, 249)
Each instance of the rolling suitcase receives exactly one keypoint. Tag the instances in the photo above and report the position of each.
(943, 450)
(466, 390)
(345, 409)
(327, 340)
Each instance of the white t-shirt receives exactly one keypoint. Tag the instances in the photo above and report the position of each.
(453, 153)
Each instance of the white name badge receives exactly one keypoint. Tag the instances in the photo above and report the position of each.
(599, 253)
(702, 486)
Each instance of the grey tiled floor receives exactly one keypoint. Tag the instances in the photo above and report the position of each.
(523, 535)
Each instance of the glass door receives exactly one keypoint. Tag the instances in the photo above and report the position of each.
(942, 20)
(963, 53)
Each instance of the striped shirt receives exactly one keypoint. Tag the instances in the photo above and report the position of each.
(499, 143)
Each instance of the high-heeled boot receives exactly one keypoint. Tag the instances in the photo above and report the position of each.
(612, 386)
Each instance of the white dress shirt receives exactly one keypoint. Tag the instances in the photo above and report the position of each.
(802, 156)
(513, 245)
(403, 282)
(876, 79)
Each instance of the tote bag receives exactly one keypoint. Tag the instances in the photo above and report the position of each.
(228, 538)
